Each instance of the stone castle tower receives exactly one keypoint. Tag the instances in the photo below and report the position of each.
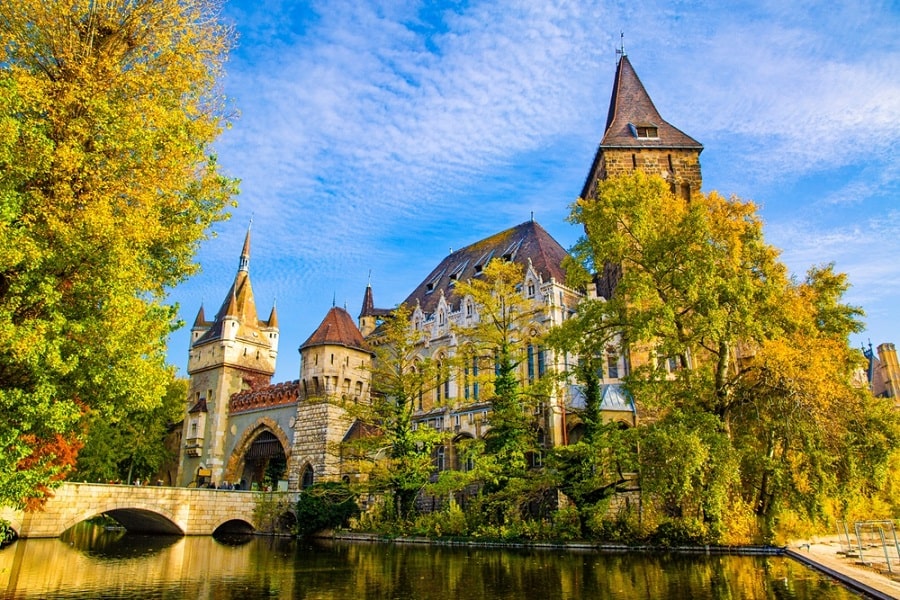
(234, 352)
(335, 365)
(636, 137)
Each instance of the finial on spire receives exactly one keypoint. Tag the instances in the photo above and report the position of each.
(333, 299)
(621, 49)
(532, 216)
(369, 281)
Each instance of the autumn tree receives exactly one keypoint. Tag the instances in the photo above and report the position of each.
(107, 185)
(741, 372)
(501, 335)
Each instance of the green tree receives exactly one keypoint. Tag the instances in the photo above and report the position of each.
(399, 456)
(130, 445)
(107, 112)
(697, 277)
(504, 330)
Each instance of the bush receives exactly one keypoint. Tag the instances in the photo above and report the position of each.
(681, 532)
(325, 506)
(450, 521)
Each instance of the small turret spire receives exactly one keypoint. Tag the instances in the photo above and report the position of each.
(245, 252)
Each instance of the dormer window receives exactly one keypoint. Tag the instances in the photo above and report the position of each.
(530, 289)
(429, 287)
(644, 130)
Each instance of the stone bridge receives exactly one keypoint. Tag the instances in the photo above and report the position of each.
(148, 509)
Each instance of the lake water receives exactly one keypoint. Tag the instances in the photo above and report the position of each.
(90, 562)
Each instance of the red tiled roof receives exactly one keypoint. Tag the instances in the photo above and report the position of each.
(337, 329)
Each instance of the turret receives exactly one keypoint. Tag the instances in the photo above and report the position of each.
(233, 352)
(369, 316)
(335, 360)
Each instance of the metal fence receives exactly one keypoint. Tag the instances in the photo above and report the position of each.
(874, 543)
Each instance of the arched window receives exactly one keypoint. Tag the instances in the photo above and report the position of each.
(307, 478)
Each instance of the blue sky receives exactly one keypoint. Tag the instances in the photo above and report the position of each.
(375, 136)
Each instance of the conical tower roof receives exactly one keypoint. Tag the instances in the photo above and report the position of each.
(633, 122)
(336, 329)
(630, 108)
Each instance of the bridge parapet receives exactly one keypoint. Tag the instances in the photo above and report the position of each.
(146, 509)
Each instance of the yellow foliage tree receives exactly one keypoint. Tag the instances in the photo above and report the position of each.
(107, 185)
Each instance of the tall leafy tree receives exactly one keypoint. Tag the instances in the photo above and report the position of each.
(400, 456)
(501, 335)
(697, 277)
(744, 372)
(107, 185)
(130, 444)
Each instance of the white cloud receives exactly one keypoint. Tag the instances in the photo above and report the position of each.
(378, 134)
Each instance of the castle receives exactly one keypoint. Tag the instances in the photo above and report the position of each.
(240, 428)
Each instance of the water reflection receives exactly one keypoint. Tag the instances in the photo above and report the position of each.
(108, 564)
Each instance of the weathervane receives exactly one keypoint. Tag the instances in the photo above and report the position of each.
(621, 50)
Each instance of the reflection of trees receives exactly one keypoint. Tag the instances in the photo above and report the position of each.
(200, 567)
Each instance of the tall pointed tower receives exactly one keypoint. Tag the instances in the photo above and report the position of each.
(234, 352)
(637, 137)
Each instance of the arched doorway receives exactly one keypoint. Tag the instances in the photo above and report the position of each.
(265, 463)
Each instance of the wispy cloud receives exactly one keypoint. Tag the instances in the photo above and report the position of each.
(376, 135)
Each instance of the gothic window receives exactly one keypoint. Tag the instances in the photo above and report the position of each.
(531, 289)
(439, 456)
(530, 363)
(612, 363)
(541, 362)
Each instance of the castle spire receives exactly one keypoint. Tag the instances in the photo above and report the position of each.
(637, 137)
(245, 252)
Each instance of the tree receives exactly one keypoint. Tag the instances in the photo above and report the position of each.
(744, 376)
(502, 335)
(130, 444)
(107, 112)
(807, 434)
(400, 376)
(697, 276)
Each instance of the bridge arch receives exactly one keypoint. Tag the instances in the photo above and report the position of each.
(263, 442)
(135, 516)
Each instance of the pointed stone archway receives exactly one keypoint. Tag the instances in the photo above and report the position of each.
(261, 456)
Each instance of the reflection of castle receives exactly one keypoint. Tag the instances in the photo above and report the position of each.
(240, 428)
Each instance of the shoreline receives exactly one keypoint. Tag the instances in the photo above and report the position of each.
(821, 556)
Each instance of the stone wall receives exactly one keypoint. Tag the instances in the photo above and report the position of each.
(319, 429)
